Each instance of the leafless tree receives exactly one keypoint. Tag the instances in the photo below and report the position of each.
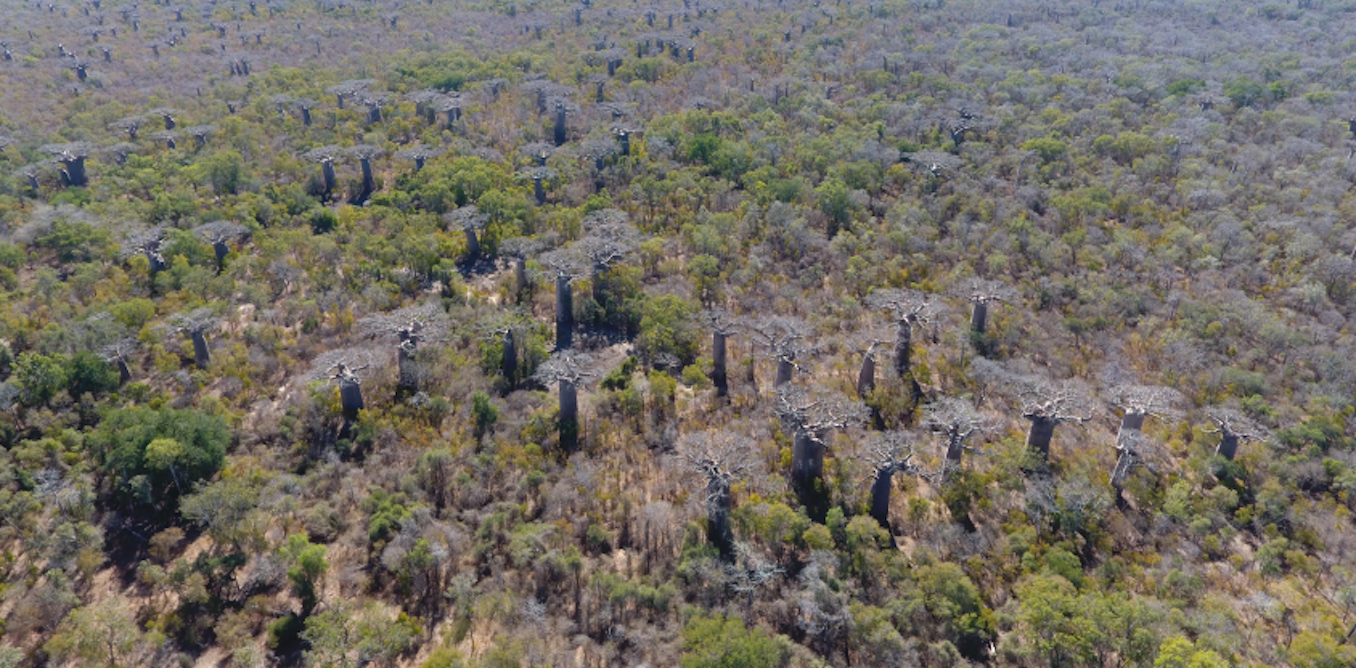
(471, 220)
(568, 369)
(565, 265)
(539, 151)
(197, 324)
(117, 353)
(1234, 428)
(220, 233)
(149, 243)
(170, 138)
(957, 420)
(538, 175)
(200, 133)
(120, 151)
(519, 249)
(980, 293)
(560, 107)
(419, 153)
(908, 308)
(1139, 402)
(889, 453)
(750, 572)
(1047, 405)
(721, 457)
(411, 326)
(809, 415)
(325, 157)
(128, 124)
(722, 324)
(365, 153)
(166, 115)
(304, 105)
(784, 338)
(347, 89)
(72, 158)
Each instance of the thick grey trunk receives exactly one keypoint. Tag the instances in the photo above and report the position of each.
(626, 143)
(718, 516)
(339, 99)
(369, 183)
(201, 355)
(978, 317)
(1124, 463)
(327, 169)
(221, 250)
(955, 450)
(903, 343)
(306, 117)
(807, 458)
(539, 191)
(1131, 422)
(418, 164)
(75, 170)
(351, 399)
(560, 127)
(1228, 446)
(156, 261)
(866, 378)
(880, 496)
(509, 365)
(718, 356)
(408, 381)
(564, 312)
(1039, 437)
(124, 373)
(785, 366)
(472, 243)
(519, 274)
(569, 416)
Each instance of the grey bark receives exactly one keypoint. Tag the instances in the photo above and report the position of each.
(201, 355)
(351, 399)
(569, 416)
(509, 365)
(1039, 437)
(979, 316)
(880, 496)
(866, 378)
(538, 191)
(903, 343)
(718, 371)
(124, 373)
(327, 168)
(807, 458)
(1228, 445)
(564, 312)
(560, 126)
(472, 243)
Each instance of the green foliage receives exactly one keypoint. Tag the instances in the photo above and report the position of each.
(667, 327)
(157, 478)
(87, 373)
(40, 377)
(725, 642)
(308, 565)
(483, 413)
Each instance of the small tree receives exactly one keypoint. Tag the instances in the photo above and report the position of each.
(721, 458)
(471, 220)
(519, 249)
(220, 233)
(347, 89)
(129, 124)
(957, 420)
(325, 157)
(908, 309)
(419, 154)
(783, 338)
(1234, 428)
(365, 153)
(568, 369)
(889, 453)
(200, 134)
(304, 105)
(560, 107)
(980, 293)
(149, 243)
(117, 353)
(197, 324)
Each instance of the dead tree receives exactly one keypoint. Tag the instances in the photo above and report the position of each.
(471, 220)
(722, 325)
(721, 457)
(809, 415)
(568, 369)
(197, 324)
(1047, 405)
(539, 151)
(623, 134)
(980, 293)
(304, 105)
(783, 338)
(374, 102)
(72, 158)
(365, 153)
(419, 154)
(410, 326)
(325, 157)
(220, 233)
(889, 453)
(1139, 402)
(908, 309)
(1234, 428)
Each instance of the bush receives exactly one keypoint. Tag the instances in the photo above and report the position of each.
(159, 476)
(721, 642)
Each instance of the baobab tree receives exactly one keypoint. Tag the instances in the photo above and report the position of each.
(419, 153)
(149, 243)
(128, 124)
(598, 151)
(518, 249)
(889, 453)
(220, 233)
(325, 157)
(200, 133)
(117, 353)
(956, 420)
(410, 326)
(609, 238)
(1234, 428)
(169, 138)
(722, 457)
(980, 293)
(347, 89)
(1047, 405)
(197, 324)
(1139, 402)
(350, 389)
(783, 338)
(120, 151)
(365, 153)
(568, 370)
(471, 220)
(539, 152)
(72, 156)
(374, 102)
(908, 309)
(538, 175)
(809, 415)
(565, 266)
(511, 330)
(722, 325)
(166, 115)
(560, 107)
(304, 105)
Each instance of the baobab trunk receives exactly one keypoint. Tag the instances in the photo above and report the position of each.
(509, 365)
(221, 250)
(519, 274)
(538, 191)
(1038, 439)
(626, 143)
(124, 373)
(955, 449)
(201, 355)
(807, 459)
(880, 496)
(1133, 421)
(718, 364)
(156, 261)
(351, 399)
(784, 368)
(418, 163)
(472, 243)
(327, 169)
(569, 416)
(978, 317)
(866, 378)
(306, 117)
(564, 312)
(408, 382)
(1228, 445)
(560, 127)
(903, 343)
(369, 183)
(75, 171)
(718, 516)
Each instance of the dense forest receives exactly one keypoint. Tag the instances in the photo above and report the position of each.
(700, 333)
